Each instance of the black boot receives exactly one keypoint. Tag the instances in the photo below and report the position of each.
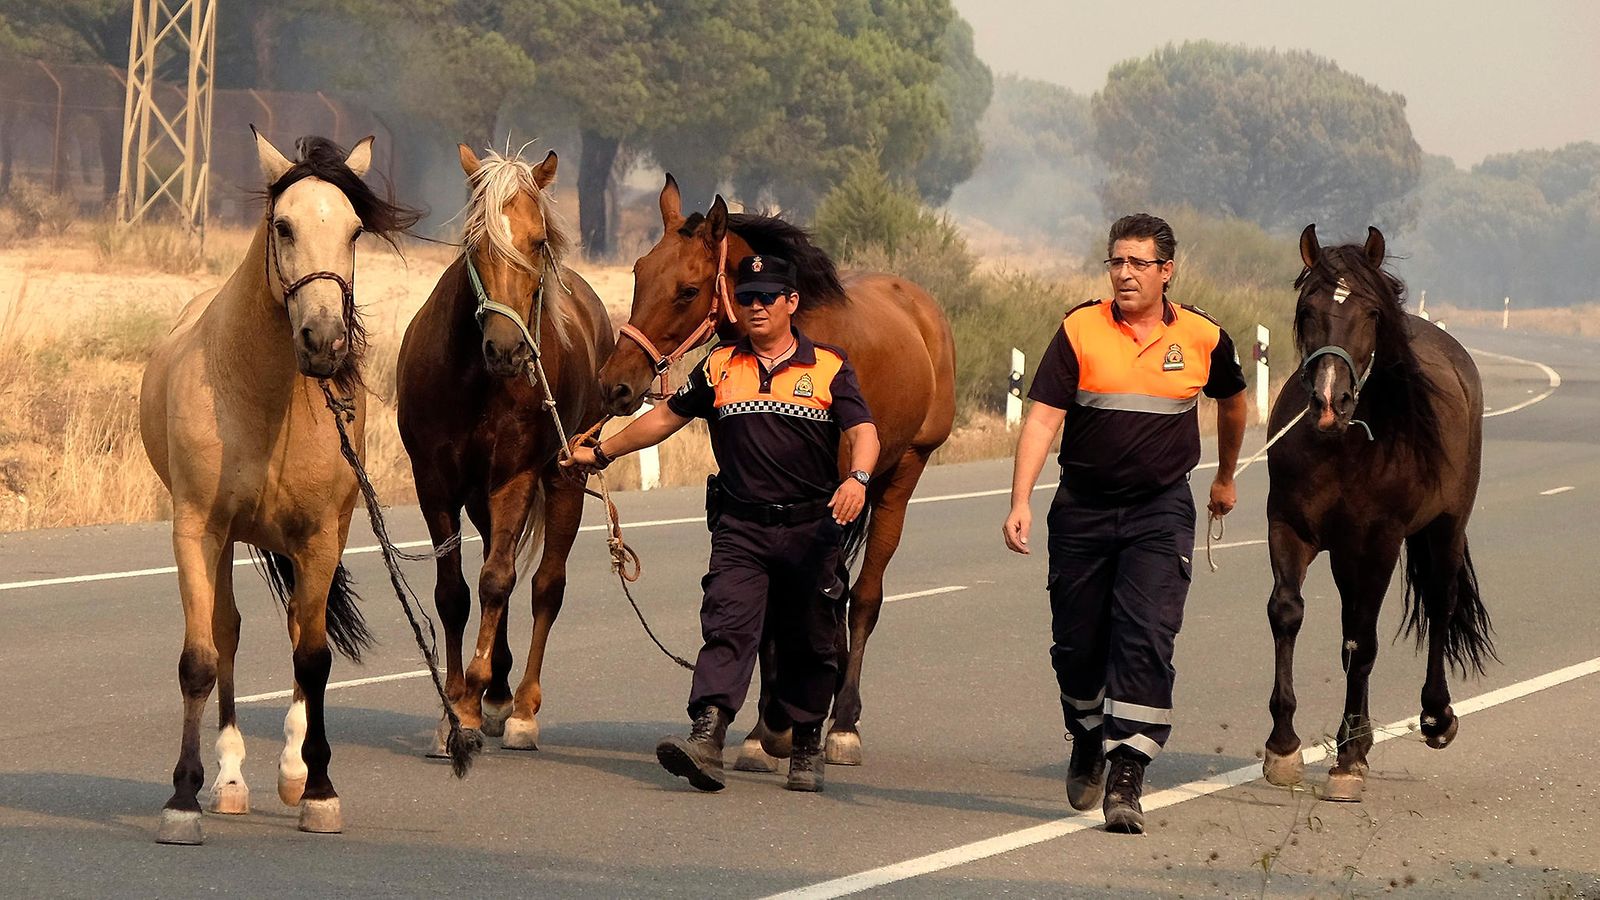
(1125, 783)
(807, 762)
(699, 758)
(1086, 771)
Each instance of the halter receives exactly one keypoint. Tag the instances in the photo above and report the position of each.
(1340, 353)
(346, 288)
(487, 305)
(721, 307)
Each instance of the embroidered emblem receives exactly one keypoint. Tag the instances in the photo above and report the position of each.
(755, 264)
(1341, 291)
(1174, 360)
(803, 388)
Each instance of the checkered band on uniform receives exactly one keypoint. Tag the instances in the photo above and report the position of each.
(743, 407)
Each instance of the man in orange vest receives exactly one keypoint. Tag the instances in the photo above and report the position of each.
(1124, 377)
(777, 405)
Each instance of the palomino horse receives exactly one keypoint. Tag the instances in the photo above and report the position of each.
(480, 433)
(896, 336)
(236, 424)
(1407, 475)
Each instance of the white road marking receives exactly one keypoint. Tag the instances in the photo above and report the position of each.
(1550, 374)
(1027, 837)
(1560, 490)
(421, 673)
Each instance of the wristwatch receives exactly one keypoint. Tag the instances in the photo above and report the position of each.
(600, 458)
(861, 476)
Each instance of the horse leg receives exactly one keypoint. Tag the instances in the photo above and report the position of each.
(497, 696)
(313, 660)
(509, 508)
(1291, 555)
(451, 597)
(866, 602)
(1362, 574)
(1436, 583)
(197, 549)
(764, 745)
(563, 512)
(229, 794)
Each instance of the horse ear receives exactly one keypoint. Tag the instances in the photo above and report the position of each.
(718, 220)
(1375, 247)
(1310, 252)
(469, 160)
(545, 173)
(360, 158)
(671, 204)
(273, 163)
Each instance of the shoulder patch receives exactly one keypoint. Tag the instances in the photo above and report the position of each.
(1201, 313)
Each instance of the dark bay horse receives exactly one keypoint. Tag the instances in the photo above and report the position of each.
(897, 338)
(235, 423)
(480, 436)
(1408, 475)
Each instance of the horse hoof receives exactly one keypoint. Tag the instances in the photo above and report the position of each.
(1442, 739)
(494, 718)
(321, 816)
(778, 744)
(844, 748)
(179, 826)
(1344, 786)
(290, 789)
(754, 758)
(1285, 770)
(231, 799)
(521, 734)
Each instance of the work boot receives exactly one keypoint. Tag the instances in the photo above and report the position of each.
(807, 761)
(1086, 772)
(1125, 784)
(699, 758)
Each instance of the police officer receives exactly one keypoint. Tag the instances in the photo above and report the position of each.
(777, 405)
(1124, 375)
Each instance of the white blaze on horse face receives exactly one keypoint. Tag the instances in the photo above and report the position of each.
(1324, 389)
(230, 756)
(291, 766)
(1341, 292)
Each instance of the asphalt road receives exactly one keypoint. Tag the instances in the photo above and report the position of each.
(961, 793)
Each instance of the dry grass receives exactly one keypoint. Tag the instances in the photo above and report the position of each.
(1569, 321)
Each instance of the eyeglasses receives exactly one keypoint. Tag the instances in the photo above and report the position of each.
(749, 298)
(1115, 263)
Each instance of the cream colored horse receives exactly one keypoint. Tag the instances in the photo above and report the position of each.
(236, 425)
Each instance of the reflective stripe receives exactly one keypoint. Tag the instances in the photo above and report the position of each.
(1135, 402)
(1085, 705)
(1138, 742)
(1090, 723)
(746, 407)
(1133, 712)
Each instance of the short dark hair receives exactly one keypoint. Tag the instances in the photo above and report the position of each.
(1144, 225)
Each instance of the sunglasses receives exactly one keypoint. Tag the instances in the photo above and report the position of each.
(749, 298)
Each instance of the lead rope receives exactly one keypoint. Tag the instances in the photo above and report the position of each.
(1216, 520)
(625, 560)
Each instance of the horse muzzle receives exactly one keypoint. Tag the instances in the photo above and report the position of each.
(505, 360)
(321, 347)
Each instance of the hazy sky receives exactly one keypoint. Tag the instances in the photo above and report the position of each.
(1479, 77)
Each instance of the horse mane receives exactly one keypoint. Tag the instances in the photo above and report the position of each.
(1400, 399)
(382, 216)
(816, 276)
(498, 180)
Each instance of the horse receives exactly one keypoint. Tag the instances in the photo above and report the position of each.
(235, 422)
(479, 431)
(899, 342)
(1408, 476)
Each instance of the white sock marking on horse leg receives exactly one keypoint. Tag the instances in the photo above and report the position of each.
(230, 756)
(291, 766)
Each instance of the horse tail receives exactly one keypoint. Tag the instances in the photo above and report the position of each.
(347, 627)
(1468, 643)
(531, 536)
(855, 537)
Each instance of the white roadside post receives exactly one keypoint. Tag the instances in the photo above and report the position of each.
(1260, 353)
(649, 460)
(1014, 391)
(1422, 308)
(1505, 320)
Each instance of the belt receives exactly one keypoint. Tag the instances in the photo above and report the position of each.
(774, 513)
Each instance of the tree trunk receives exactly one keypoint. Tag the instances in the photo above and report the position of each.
(594, 177)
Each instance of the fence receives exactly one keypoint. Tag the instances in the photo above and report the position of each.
(61, 125)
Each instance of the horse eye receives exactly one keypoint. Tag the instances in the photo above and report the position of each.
(357, 234)
(283, 229)
(688, 292)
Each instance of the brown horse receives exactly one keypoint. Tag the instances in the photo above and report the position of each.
(1408, 475)
(235, 422)
(897, 339)
(480, 435)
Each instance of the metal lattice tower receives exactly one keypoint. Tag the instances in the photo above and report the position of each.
(166, 128)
